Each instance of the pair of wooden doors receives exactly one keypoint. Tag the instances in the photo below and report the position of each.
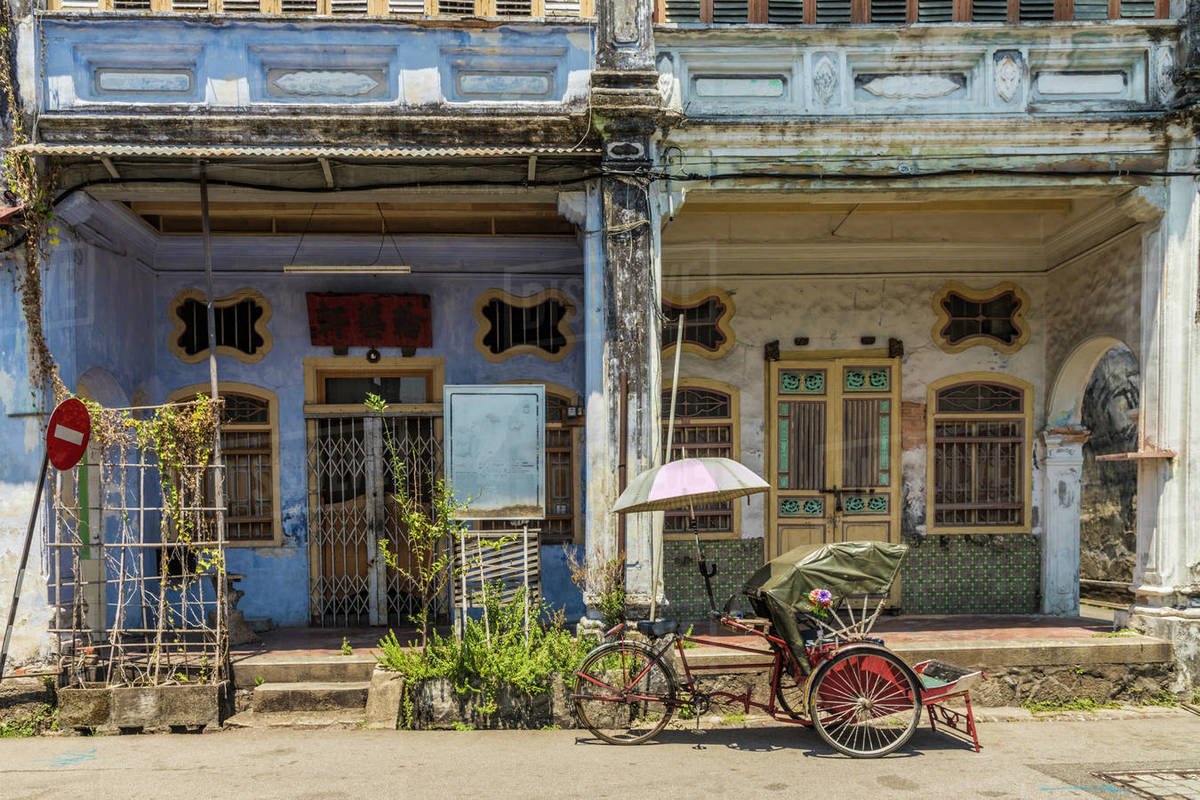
(833, 451)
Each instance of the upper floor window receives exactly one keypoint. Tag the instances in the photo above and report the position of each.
(536, 325)
(241, 322)
(898, 12)
(706, 328)
(980, 468)
(375, 8)
(993, 317)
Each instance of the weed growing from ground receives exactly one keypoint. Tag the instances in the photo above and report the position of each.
(1074, 704)
(44, 719)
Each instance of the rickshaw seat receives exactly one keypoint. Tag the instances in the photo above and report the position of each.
(658, 629)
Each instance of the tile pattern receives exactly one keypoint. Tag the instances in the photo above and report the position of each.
(736, 559)
(1163, 784)
(988, 574)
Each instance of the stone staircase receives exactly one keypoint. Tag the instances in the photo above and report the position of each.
(301, 691)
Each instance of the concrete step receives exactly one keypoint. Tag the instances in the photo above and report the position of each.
(273, 668)
(303, 720)
(310, 696)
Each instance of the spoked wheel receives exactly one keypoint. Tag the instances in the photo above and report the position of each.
(622, 694)
(865, 702)
(789, 694)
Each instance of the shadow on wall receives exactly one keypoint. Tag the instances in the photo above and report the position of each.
(1108, 503)
(557, 587)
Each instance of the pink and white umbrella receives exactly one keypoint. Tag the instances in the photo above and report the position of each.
(688, 482)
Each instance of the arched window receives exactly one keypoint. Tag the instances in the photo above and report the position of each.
(250, 450)
(980, 466)
(706, 420)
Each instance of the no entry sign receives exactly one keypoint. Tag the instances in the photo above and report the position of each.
(68, 433)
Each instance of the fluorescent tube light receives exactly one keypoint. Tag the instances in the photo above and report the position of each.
(348, 270)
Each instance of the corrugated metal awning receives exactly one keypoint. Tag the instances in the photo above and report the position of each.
(272, 152)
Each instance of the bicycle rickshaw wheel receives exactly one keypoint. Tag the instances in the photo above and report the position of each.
(865, 702)
(789, 694)
(607, 673)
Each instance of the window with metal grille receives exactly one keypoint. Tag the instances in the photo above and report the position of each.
(248, 450)
(705, 317)
(537, 325)
(991, 317)
(704, 427)
(466, 7)
(240, 320)
(980, 457)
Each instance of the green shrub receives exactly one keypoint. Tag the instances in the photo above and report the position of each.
(493, 652)
(44, 719)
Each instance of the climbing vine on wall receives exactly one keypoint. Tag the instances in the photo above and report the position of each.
(33, 190)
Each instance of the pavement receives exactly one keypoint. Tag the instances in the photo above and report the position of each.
(1143, 757)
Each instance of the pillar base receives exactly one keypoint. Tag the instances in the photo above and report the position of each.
(1180, 627)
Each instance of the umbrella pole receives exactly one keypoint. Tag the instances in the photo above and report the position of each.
(666, 457)
(707, 571)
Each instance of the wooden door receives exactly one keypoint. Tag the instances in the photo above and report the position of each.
(833, 450)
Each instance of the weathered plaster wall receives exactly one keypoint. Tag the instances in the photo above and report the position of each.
(834, 314)
(1096, 295)
(277, 577)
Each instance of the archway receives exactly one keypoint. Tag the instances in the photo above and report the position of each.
(1097, 385)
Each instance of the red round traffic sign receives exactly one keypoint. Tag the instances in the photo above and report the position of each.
(68, 433)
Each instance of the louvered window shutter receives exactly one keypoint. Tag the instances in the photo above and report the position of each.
(131, 5)
(562, 8)
(241, 6)
(298, 6)
(347, 7)
(1137, 9)
(989, 11)
(1091, 9)
(464, 7)
(893, 11)
(785, 12)
(406, 6)
(682, 11)
(935, 10)
(833, 12)
(189, 6)
(731, 12)
(514, 8)
(1036, 10)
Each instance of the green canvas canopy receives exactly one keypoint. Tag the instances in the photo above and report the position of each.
(779, 589)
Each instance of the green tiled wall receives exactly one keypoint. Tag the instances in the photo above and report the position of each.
(735, 560)
(991, 574)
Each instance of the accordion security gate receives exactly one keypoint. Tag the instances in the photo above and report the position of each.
(351, 509)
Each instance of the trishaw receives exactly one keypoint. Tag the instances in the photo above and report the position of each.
(826, 670)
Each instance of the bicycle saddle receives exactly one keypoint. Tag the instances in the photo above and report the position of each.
(659, 629)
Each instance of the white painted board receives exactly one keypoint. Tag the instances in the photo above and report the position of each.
(495, 445)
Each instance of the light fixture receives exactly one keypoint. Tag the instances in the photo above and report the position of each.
(380, 269)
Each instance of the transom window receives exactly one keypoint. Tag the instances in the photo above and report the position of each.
(705, 420)
(896, 12)
(979, 455)
(241, 323)
(535, 325)
(992, 317)
(706, 328)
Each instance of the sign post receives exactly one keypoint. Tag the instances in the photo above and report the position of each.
(66, 441)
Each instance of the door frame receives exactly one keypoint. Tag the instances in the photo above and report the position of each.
(875, 357)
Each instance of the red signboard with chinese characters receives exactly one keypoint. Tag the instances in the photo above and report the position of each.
(370, 320)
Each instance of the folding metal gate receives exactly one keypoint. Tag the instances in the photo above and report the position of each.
(352, 507)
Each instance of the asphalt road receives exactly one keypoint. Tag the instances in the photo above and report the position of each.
(1019, 760)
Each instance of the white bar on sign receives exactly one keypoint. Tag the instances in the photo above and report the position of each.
(68, 434)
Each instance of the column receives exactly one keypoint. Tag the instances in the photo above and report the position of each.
(1166, 578)
(1060, 509)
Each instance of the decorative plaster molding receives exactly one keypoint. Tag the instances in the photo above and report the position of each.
(1164, 73)
(980, 296)
(573, 207)
(260, 325)
(912, 86)
(563, 327)
(825, 80)
(326, 83)
(1008, 78)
